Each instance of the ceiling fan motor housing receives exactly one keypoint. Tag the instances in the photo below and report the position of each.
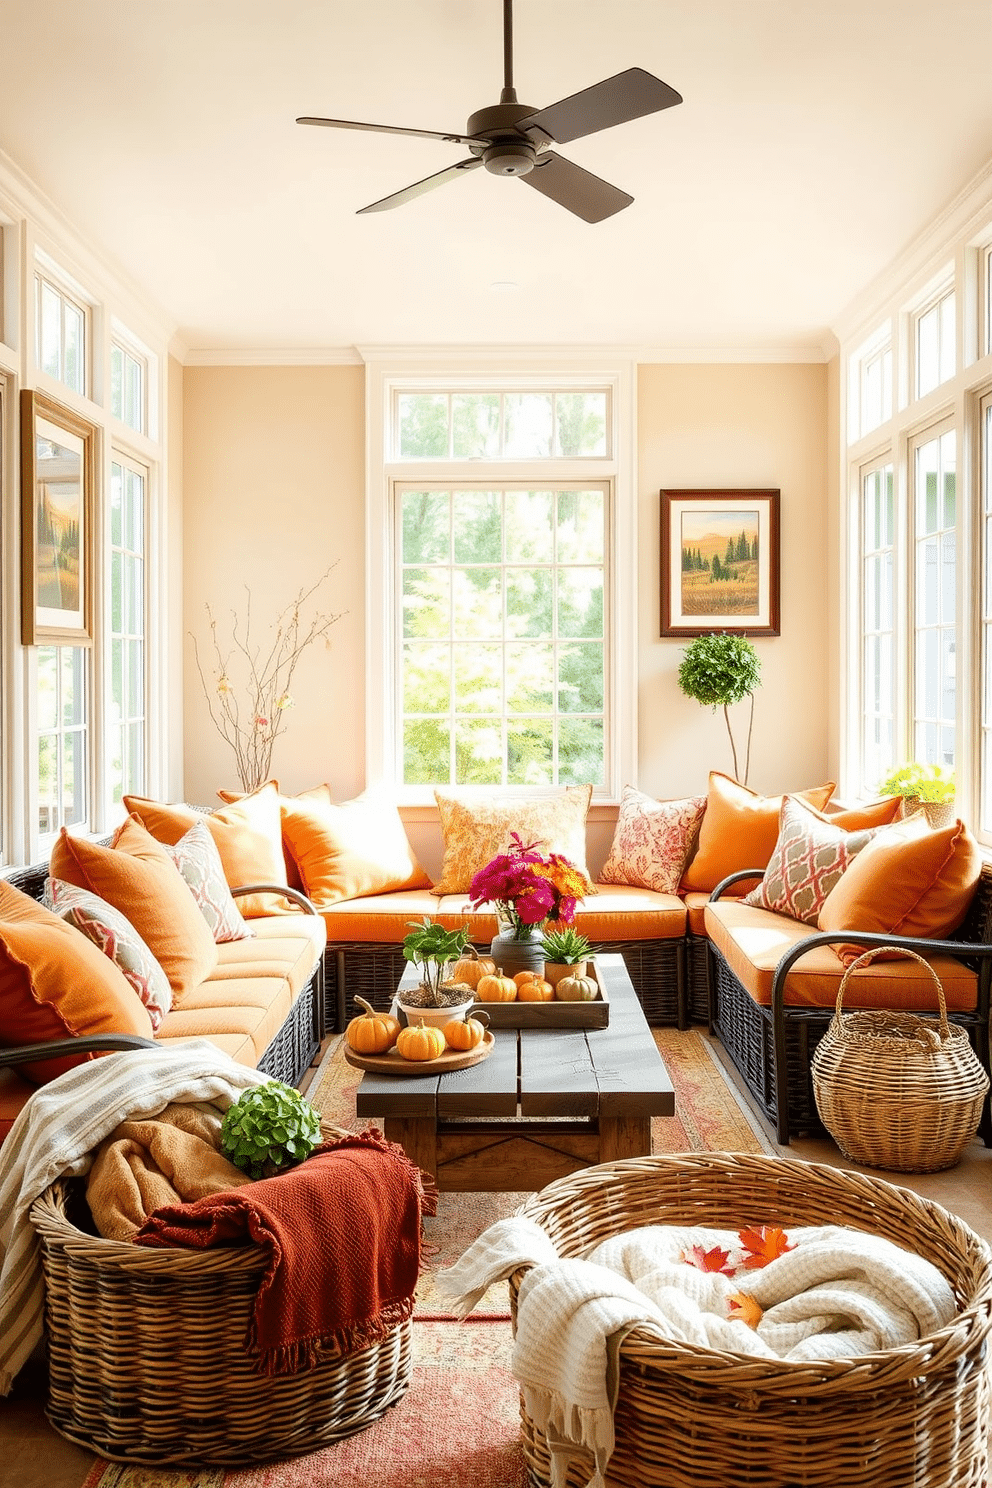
(504, 151)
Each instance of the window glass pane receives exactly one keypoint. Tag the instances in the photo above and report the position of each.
(48, 684)
(580, 602)
(48, 784)
(426, 536)
(51, 331)
(73, 779)
(530, 752)
(580, 672)
(928, 351)
(527, 425)
(478, 679)
(475, 426)
(935, 599)
(948, 337)
(133, 394)
(877, 620)
(581, 534)
(423, 425)
(580, 424)
(478, 527)
(134, 511)
(477, 603)
(117, 382)
(116, 504)
(426, 751)
(478, 752)
(580, 751)
(530, 678)
(73, 349)
(427, 603)
(426, 678)
(529, 602)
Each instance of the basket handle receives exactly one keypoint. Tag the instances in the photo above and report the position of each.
(866, 957)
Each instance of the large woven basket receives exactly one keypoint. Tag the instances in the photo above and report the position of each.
(912, 1417)
(895, 1090)
(147, 1360)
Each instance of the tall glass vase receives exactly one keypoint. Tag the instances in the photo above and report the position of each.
(513, 955)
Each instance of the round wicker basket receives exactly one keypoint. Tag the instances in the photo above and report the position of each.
(147, 1360)
(895, 1090)
(702, 1419)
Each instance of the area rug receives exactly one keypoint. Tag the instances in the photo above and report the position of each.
(458, 1424)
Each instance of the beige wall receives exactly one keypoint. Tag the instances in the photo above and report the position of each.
(273, 481)
(273, 476)
(730, 427)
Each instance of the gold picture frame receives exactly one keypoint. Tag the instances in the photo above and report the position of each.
(720, 564)
(58, 481)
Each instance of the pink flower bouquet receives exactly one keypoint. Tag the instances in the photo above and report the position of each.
(528, 889)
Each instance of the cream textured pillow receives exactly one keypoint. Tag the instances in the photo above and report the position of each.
(476, 828)
(197, 857)
(808, 859)
(113, 934)
(652, 841)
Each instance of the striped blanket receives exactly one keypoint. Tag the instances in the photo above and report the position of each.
(56, 1135)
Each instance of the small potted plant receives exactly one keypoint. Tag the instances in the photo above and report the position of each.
(719, 670)
(927, 788)
(566, 954)
(432, 949)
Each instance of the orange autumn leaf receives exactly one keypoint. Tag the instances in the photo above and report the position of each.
(714, 1259)
(743, 1308)
(763, 1244)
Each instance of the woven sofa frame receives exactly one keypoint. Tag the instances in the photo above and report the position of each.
(772, 1047)
(288, 1056)
(372, 970)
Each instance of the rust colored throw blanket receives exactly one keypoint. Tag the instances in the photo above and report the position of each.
(341, 1234)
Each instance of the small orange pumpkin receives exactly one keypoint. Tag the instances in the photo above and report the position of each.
(420, 1041)
(526, 976)
(535, 989)
(463, 1033)
(471, 967)
(371, 1032)
(496, 988)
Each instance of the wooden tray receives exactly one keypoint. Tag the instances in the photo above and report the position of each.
(394, 1064)
(592, 1014)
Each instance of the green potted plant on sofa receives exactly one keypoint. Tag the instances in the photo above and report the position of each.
(720, 670)
(927, 788)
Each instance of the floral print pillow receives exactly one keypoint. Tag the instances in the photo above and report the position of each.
(652, 841)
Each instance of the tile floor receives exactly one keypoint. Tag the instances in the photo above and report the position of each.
(32, 1455)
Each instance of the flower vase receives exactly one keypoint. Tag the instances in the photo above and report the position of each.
(512, 954)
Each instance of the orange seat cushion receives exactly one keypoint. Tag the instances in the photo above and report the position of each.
(739, 830)
(136, 875)
(54, 983)
(908, 880)
(248, 834)
(753, 941)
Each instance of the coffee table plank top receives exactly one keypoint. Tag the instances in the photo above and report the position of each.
(557, 1075)
(489, 1090)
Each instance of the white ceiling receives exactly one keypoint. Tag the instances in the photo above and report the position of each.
(816, 139)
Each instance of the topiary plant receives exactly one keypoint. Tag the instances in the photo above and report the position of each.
(719, 670)
(269, 1127)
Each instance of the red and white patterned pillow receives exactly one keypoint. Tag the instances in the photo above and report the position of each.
(808, 859)
(117, 938)
(198, 860)
(652, 841)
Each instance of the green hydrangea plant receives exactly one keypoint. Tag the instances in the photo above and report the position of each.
(269, 1127)
(922, 782)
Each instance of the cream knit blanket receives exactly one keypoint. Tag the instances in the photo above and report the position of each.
(56, 1135)
(838, 1293)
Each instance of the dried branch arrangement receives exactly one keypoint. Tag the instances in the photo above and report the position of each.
(264, 674)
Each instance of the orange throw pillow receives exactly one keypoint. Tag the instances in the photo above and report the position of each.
(739, 830)
(908, 880)
(137, 876)
(248, 834)
(861, 818)
(347, 850)
(55, 983)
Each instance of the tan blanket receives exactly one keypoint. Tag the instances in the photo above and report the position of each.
(146, 1165)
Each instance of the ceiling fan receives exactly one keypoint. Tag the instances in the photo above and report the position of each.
(513, 139)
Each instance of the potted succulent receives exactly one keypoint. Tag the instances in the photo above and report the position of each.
(432, 949)
(719, 670)
(927, 788)
(566, 953)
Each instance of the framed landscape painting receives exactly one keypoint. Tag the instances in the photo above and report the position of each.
(719, 562)
(57, 481)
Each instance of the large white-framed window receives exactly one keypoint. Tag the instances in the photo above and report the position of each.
(127, 713)
(501, 578)
(62, 737)
(61, 332)
(877, 538)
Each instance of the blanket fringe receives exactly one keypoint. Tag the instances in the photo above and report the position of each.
(372, 1136)
(308, 1353)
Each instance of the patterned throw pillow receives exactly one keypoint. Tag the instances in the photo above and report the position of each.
(117, 938)
(808, 859)
(197, 858)
(476, 829)
(652, 841)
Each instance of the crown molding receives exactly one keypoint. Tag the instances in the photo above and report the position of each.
(271, 356)
(503, 355)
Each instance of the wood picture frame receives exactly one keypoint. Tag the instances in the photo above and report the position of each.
(720, 562)
(58, 482)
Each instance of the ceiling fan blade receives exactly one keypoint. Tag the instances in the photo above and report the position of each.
(420, 187)
(454, 139)
(616, 100)
(578, 190)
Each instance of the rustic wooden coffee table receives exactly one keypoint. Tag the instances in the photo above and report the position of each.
(545, 1103)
